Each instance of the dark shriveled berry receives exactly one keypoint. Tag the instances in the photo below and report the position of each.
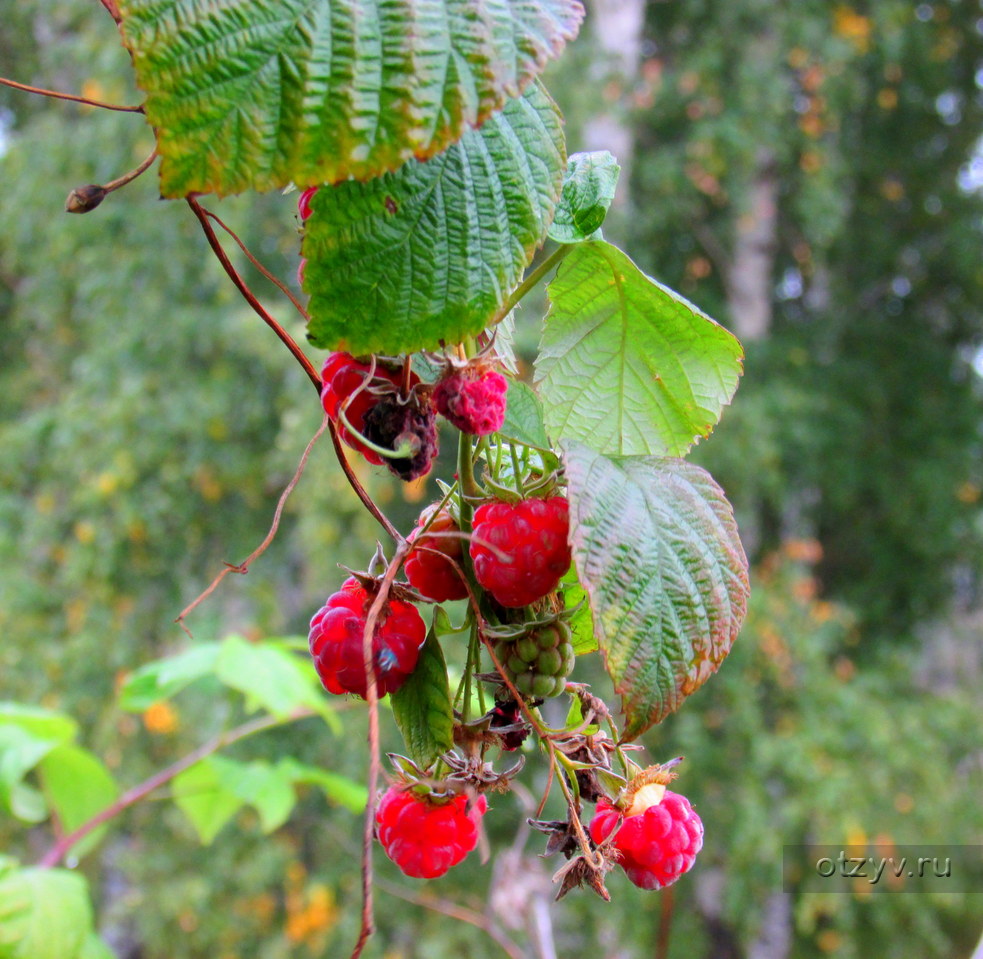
(393, 423)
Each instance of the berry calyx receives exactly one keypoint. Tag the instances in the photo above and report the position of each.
(656, 845)
(473, 399)
(351, 385)
(425, 836)
(539, 662)
(336, 635)
(427, 570)
(520, 550)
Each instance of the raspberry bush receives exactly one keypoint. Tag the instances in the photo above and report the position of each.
(571, 523)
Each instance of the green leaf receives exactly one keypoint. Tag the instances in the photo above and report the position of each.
(337, 788)
(656, 546)
(256, 94)
(20, 752)
(268, 676)
(581, 623)
(77, 786)
(431, 251)
(268, 789)
(95, 947)
(588, 190)
(524, 417)
(44, 914)
(38, 722)
(205, 798)
(422, 705)
(165, 678)
(626, 365)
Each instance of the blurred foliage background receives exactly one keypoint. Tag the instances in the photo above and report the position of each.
(807, 173)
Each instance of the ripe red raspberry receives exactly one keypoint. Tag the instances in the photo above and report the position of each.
(304, 202)
(520, 550)
(336, 641)
(341, 376)
(658, 844)
(473, 400)
(425, 837)
(427, 570)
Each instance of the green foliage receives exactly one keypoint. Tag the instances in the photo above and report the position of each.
(44, 913)
(430, 252)
(588, 189)
(310, 91)
(627, 366)
(657, 551)
(422, 706)
(76, 786)
(524, 417)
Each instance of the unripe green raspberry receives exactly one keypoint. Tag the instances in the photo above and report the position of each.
(527, 649)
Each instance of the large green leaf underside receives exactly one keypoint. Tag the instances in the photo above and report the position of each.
(655, 543)
(255, 94)
(430, 252)
(625, 364)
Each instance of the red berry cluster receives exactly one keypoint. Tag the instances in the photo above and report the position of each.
(520, 550)
(336, 641)
(425, 836)
(657, 844)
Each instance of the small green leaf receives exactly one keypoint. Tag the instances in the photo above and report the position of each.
(44, 914)
(165, 678)
(95, 947)
(524, 417)
(588, 189)
(255, 94)
(208, 802)
(581, 623)
(422, 705)
(430, 252)
(77, 786)
(626, 365)
(20, 752)
(268, 789)
(656, 546)
(38, 722)
(270, 677)
(338, 789)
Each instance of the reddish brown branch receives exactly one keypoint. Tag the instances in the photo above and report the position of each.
(61, 848)
(243, 567)
(112, 9)
(284, 337)
(56, 95)
(276, 281)
(367, 926)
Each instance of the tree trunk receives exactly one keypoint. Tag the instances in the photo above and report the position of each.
(617, 27)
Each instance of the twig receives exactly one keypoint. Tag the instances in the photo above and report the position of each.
(60, 849)
(367, 926)
(243, 567)
(667, 904)
(112, 9)
(276, 281)
(454, 911)
(287, 340)
(55, 94)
